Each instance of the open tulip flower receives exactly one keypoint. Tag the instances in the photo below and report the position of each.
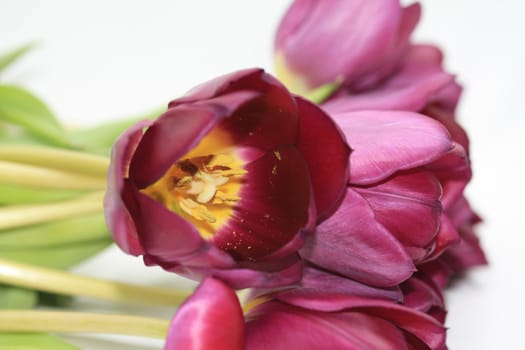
(298, 318)
(227, 182)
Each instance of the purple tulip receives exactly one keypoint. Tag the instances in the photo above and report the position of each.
(227, 182)
(299, 318)
(404, 171)
(359, 42)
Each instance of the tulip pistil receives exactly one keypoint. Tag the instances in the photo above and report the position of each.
(203, 189)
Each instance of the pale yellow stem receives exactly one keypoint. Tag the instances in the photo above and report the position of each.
(81, 322)
(56, 158)
(49, 280)
(21, 215)
(42, 177)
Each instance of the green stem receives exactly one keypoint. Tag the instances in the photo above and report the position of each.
(56, 158)
(33, 277)
(81, 322)
(21, 215)
(35, 176)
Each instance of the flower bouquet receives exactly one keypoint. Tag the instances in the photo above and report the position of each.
(320, 207)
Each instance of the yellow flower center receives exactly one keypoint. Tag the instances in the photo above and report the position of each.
(201, 188)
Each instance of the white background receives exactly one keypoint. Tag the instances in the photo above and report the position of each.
(99, 60)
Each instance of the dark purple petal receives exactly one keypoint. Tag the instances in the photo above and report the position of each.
(210, 319)
(176, 132)
(284, 272)
(351, 242)
(421, 296)
(266, 122)
(167, 237)
(326, 152)
(466, 254)
(407, 204)
(274, 207)
(385, 142)
(437, 271)
(273, 325)
(118, 218)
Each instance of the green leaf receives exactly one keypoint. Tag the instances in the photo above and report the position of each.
(8, 58)
(54, 300)
(76, 230)
(34, 341)
(17, 298)
(100, 138)
(57, 257)
(20, 107)
(12, 194)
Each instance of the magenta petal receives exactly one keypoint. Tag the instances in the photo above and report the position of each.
(447, 236)
(454, 172)
(466, 254)
(328, 164)
(409, 89)
(421, 296)
(278, 326)
(328, 41)
(391, 63)
(352, 243)
(385, 142)
(118, 218)
(210, 319)
(318, 284)
(456, 131)
(416, 324)
(407, 204)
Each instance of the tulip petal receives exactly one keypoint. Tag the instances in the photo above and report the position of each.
(456, 131)
(385, 142)
(274, 206)
(267, 121)
(284, 272)
(422, 326)
(351, 242)
(421, 296)
(328, 164)
(447, 236)
(278, 326)
(320, 284)
(407, 204)
(466, 254)
(173, 134)
(454, 172)
(410, 89)
(391, 62)
(118, 218)
(175, 239)
(210, 319)
(332, 32)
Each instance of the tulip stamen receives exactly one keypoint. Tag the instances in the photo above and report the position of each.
(201, 188)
